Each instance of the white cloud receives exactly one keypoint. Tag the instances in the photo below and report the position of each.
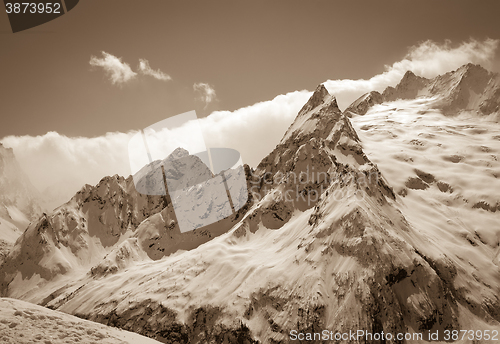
(206, 92)
(145, 69)
(427, 59)
(54, 159)
(118, 72)
(59, 165)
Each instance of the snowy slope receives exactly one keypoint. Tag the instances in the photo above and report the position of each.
(105, 228)
(76, 235)
(22, 322)
(446, 169)
(359, 257)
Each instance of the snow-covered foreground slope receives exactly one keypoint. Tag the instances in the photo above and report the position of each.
(24, 323)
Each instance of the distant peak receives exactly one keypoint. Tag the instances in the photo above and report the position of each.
(471, 65)
(177, 154)
(472, 68)
(409, 75)
(6, 150)
(361, 105)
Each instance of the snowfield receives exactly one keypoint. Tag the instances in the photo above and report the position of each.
(24, 323)
(446, 170)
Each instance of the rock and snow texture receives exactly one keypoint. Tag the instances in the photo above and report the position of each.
(178, 168)
(361, 105)
(101, 230)
(470, 89)
(24, 323)
(76, 235)
(343, 253)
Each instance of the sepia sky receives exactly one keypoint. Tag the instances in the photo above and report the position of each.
(74, 90)
(246, 51)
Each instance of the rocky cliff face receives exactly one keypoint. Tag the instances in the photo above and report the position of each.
(361, 105)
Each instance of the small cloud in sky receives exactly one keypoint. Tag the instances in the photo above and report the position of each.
(205, 91)
(117, 71)
(145, 69)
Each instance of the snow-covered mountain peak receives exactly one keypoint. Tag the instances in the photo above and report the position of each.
(181, 170)
(408, 87)
(178, 153)
(471, 68)
(410, 77)
(316, 117)
(319, 97)
(320, 151)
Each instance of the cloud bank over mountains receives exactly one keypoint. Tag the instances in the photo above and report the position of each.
(427, 59)
(52, 160)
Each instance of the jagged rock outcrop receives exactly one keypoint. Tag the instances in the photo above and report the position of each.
(408, 87)
(361, 105)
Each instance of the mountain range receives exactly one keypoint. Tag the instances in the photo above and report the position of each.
(384, 217)
(470, 88)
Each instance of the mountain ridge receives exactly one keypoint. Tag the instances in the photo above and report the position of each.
(470, 88)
